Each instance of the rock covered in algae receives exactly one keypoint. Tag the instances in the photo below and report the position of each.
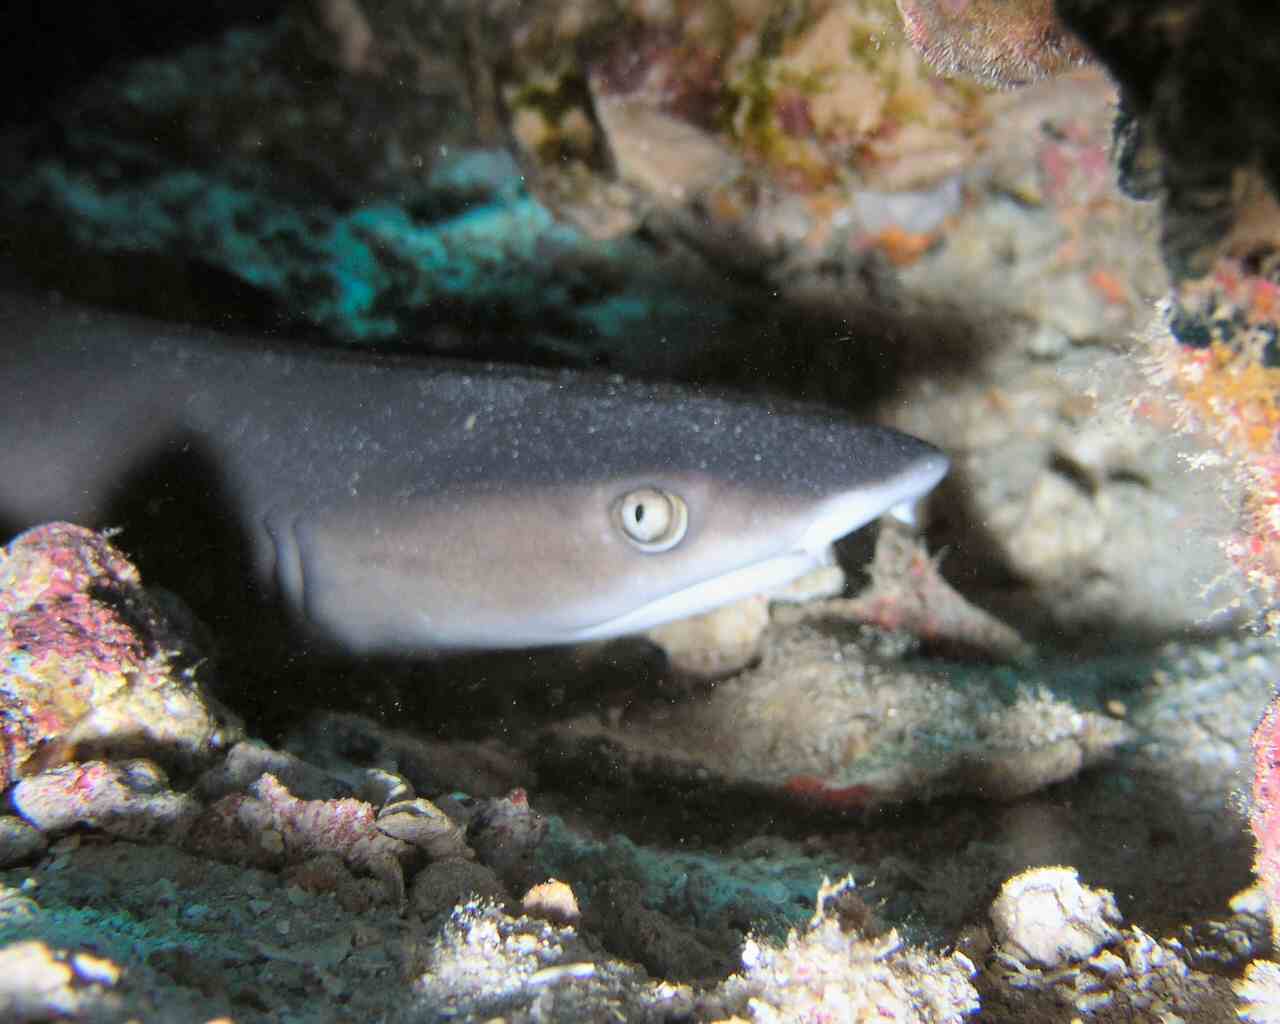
(851, 724)
(19, 841)
(1214, 357)
(269, 827)
(487, 964)
(90, 665)
(347, 161)
(1069, 951)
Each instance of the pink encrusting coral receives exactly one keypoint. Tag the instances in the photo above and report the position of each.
(87, 661)
(269, 827)
(1264, 813)
(1215, 354)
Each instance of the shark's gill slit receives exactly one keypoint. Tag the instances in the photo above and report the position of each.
(289, 578)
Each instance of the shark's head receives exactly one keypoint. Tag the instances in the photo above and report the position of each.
(577, 530)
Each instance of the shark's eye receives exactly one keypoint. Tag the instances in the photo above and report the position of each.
(652, 519)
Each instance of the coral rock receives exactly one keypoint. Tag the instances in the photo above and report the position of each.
(19, 841)
(552, 901)
(38, 983)
(89, 665)
(1046, 917)
(130, 799)
(825, 973)
(505, 832)
(272, 828)
(997, 42)
(1264, 816)
(440, 887)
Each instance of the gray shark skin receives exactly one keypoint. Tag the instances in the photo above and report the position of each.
(400, 505)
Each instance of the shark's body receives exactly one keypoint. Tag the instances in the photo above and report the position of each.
(402, 505)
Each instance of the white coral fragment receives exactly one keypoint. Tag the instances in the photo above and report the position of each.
(1046, 917)
(1259, 993)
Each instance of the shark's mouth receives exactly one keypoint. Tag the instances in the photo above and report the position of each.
(758, 577)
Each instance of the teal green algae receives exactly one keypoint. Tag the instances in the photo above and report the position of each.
(115, 934)
(771, 892)
(373, 213)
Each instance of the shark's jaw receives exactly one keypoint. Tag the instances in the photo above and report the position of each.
(827, 522)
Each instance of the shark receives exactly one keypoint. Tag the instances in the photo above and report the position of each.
(399, 504)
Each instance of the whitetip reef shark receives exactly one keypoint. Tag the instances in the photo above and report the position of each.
(404, 505)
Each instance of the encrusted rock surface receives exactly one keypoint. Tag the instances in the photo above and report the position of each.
(90, 664)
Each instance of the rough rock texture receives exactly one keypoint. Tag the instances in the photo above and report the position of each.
(90, 665)
(908, 594)
(831, 971)
(38, 983)
(1198, 111)
(843, 724)
(1047, 918)
(1259, 993)
(1195, 131)
(130, 799)
(999, 42)
(1264, 807)
(20, 841)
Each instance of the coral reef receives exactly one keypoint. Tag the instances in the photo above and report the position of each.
(1061, 940)
(766, 886)
(767, 121)
(1196, 714)
(788, 199)
(170, 925)
(130, 799)
(1195, 131)
(426, 232)
(486, 963)
(738, 135)
(268, 827)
